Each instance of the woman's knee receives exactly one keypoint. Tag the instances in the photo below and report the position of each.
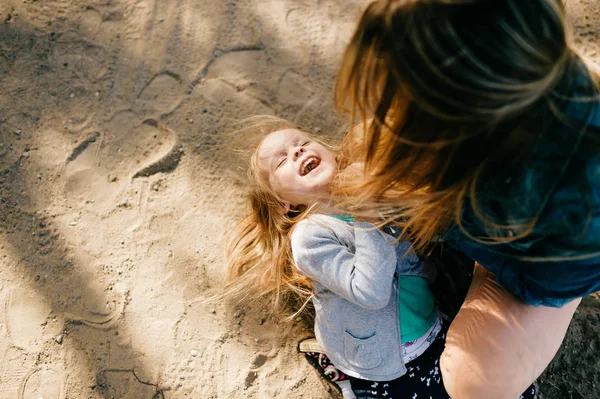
(470, 371)
(462, 379)
(497, 345)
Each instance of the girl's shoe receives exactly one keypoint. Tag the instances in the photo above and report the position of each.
(318, 359)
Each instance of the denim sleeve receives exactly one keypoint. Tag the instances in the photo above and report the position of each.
(539, 283)
(556, 262)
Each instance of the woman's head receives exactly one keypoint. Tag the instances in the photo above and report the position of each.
(454, 88)
(459, 60)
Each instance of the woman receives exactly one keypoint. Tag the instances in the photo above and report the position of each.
(485, 132)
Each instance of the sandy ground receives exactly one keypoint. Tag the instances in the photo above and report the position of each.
(117, 185)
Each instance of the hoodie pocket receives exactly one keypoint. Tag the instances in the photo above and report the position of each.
(363, 353)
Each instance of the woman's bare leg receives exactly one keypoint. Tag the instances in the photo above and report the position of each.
(497, 345)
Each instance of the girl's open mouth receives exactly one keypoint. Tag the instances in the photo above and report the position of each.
(309, 164)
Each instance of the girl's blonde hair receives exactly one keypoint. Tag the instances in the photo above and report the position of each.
(258, 249)
(448, 91)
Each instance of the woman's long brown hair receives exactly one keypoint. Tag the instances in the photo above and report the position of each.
(449, 91)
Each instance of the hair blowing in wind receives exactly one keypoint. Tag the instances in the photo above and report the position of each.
(448, 91)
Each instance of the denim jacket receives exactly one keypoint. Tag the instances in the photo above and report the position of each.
(559, 260)
(356, 268)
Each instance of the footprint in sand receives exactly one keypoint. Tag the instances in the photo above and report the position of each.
(162, 94)
(96, 309)
(156, 149)
(161, 158)
(15, 366)
(25, 312)
(89, 184)
(42, 382)
(80, 59)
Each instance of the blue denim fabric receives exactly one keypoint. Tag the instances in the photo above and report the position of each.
(560, 184)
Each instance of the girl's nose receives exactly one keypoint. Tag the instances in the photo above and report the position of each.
(298, 151)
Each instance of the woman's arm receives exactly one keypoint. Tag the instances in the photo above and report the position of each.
(363, 277)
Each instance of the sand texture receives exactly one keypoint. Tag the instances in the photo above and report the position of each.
(117, 186)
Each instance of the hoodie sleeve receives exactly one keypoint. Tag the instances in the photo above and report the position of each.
(363, 276)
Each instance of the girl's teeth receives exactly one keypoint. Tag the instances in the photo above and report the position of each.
(309, 166)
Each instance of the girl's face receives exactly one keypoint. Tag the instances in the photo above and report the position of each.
(299, 170)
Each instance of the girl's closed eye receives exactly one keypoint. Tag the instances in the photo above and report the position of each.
(305, 143)
(281, 162)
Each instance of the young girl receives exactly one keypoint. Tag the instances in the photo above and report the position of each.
(375, 317)
(485, 131)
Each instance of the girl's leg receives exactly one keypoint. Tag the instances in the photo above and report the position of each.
(497, 345)
(423, 379)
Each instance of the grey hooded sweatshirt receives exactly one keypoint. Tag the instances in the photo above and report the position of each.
(355, 268)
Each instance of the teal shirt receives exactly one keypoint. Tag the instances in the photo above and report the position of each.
(416, 307)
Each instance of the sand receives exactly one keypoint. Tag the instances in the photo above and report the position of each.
(117, 186)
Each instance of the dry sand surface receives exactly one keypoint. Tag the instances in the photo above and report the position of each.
(117, 186)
